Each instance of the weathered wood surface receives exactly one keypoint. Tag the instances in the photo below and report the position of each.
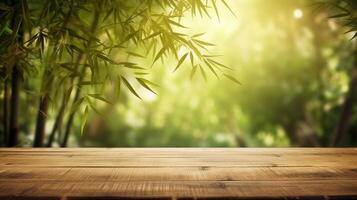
(178, 173)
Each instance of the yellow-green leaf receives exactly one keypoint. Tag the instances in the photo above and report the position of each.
(193, 71)
(143, 83)
(229, 8)
(232, 79)
(191, 58)
(180, 61)
(84, 119)
(203, 72)
(215, 8)
(211, 68)
(99, 97)
(134, 54)
(127, 84)
(159, 54)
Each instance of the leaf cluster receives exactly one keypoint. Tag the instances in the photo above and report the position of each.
(84, 45)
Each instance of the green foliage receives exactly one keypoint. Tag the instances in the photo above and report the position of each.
(82, 48)
(344, 11)
(150, 25)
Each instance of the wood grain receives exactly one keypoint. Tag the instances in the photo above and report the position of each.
(178, 173)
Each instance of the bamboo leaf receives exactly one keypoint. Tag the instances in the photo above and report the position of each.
(203, 42)
(159, 54)
(210, 56)
(218, 64)
(92, 106)
(108, 14)
(89, 83)
(74, 34)
(232, 78)
(203, 72)
(197, 35)
(127, 84)
(215, 8)
(180, 61)
(130, 65)
(205, 9)
(67, 67)
(339, 15)
(143, 83)
(84, 119)
(141, 73)
(134, 54)
(191, 58)
(130, 36)
(152, 35)
(126, 63)
(105, 58)
(149, 82)
(99, 97)
(75, 48)
(76, 104)
(211, 68)
(119, 86)
(176, 24)
(193, 71)
(229, 8)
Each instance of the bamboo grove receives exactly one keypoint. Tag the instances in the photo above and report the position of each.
(62, 53)
(61, 59)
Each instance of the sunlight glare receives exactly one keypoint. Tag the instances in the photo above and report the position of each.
(298, 13)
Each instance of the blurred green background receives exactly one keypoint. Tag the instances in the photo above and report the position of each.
(295, 66)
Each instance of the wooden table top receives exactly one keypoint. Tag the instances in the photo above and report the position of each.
(178, 173)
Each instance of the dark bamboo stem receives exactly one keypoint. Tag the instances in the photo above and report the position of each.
(15, 80)
(78, 90)
(340, 135)
(14, 107)
(44, 101)
(41, 121)
(58, 122)
(6, 113)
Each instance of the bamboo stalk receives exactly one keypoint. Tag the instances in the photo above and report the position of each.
(6, 112)
(78, 90)
(58, 122)
(14, 107)
(341, 132)
(41, 121)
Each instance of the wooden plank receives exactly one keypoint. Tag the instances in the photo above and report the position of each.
(178, 173)
(181, 157)
(237, 161)
(179, 188)
(181, 152)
